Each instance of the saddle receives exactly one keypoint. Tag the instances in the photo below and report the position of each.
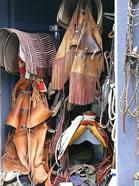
(9, 45)
(37, 51)
(67, 9)
(75, 130)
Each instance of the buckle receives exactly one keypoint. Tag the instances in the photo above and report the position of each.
(26, 92)
(24, 109)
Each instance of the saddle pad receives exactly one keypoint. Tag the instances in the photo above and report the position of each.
(39, 50)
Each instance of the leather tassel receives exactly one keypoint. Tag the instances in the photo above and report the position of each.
(61, 70)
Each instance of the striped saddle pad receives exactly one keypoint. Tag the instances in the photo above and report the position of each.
(39, 51)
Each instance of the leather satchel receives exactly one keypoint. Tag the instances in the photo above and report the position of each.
(67, 9)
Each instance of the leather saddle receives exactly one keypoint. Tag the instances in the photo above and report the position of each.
(68, 7)
(35, 50)
(9, 45)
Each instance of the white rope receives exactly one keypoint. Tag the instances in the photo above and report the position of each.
(113, 133)
(17, 177)
(65, 138)
(111, 103)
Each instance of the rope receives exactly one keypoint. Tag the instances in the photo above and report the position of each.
(131, 71)
(65, 138)
(111, 104)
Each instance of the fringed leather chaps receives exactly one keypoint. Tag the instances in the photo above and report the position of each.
(80, 58)
(64, 58)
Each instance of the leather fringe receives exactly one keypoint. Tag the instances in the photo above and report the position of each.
(61, 70)
(83, 89)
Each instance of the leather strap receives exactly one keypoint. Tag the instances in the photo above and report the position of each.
(104, 167)
(62, 173)
(26, 92)
(59, 128)
(46, 154)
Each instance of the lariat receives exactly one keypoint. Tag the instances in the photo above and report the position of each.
(131, 73)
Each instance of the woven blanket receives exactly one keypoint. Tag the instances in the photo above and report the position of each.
(39, 50)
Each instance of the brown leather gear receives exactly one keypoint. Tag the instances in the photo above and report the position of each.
(18, 118)
(80, 58)
(39, 111)
(37, 138)
(18, 94)
(10, 159)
